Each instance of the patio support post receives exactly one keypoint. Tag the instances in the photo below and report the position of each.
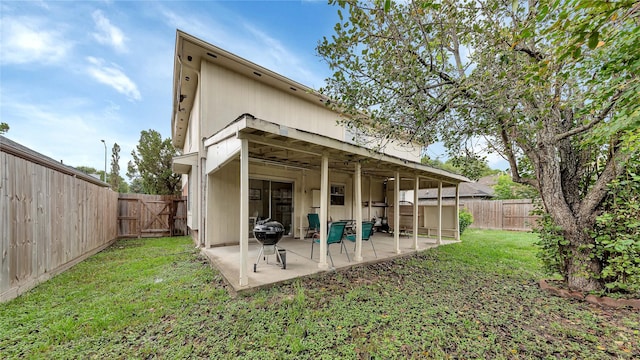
(303, 207)
(396, 212)
(324, 208)
(358, 204)
(439, 212)
(369, 214)
(457, 225)
(415, 212)
(244, 211)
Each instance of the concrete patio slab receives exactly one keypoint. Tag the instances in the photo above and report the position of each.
(299, 263)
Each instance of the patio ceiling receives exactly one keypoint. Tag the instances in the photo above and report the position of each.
(273, 144)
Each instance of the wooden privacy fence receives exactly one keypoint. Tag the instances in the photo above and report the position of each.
(51, 217)
(501, 214)
(487, 214)
(141, 215)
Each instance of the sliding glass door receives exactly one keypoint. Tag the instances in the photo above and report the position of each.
(272, 199)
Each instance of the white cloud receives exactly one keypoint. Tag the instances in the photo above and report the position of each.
(68, 130)
(25, 40)
(108, 34)
(113, 76)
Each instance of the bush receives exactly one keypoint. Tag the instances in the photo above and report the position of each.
(553, 246)
(465, 219)
(617, 232)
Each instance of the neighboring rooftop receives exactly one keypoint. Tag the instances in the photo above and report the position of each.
(468, 190)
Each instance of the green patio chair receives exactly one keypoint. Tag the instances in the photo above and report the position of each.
(314, 225)
(367, 232)
(335, 236)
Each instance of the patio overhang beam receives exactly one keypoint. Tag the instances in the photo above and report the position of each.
(344, 151)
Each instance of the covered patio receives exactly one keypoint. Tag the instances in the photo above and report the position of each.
(227, 259)
(252, 151)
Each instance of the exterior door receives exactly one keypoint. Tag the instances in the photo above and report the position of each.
(272, 199)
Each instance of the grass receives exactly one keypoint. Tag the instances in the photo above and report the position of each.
(159, 298)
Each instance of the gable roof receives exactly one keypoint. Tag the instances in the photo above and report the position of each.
(189, 53)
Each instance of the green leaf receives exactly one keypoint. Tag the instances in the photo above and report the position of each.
(387, 5)
(577, 52)
(593, 40)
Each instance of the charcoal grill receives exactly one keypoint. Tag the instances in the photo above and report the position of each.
(268, 233)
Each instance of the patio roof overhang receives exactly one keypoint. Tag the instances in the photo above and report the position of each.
(182, 164)
(275, 144)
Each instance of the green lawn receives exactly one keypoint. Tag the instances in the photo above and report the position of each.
(159, 298)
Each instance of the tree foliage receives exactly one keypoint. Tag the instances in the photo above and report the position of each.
(617, 230)
(114, 175)
(4, 128)
(506, 189)
(473, 167)
(550, 85)
(151, 165)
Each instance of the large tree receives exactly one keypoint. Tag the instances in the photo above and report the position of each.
(151, 165)
(551, 86)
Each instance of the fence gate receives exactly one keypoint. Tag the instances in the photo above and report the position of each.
(142, 215)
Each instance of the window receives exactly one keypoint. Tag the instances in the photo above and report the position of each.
(337, 194)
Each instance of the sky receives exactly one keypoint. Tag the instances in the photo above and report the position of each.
(73, 73)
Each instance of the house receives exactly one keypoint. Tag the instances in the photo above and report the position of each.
(256, 144)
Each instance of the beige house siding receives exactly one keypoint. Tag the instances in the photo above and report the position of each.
(223, 194)
(192, 144)
(229, 95)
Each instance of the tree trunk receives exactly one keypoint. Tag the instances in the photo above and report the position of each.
(581, 265)
(555, 171)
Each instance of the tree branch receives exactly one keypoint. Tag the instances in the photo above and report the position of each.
(598, 192)
(511, 157)
(536, 55)
(593, 122)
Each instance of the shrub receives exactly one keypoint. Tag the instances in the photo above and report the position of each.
(465, 219)
(617, 232)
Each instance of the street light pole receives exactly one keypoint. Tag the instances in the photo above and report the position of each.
(105, 161)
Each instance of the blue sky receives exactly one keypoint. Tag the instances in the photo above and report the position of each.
(75, 72)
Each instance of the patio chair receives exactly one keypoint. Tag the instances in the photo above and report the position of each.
(367, 232)
(335, 236)
(314, 225)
